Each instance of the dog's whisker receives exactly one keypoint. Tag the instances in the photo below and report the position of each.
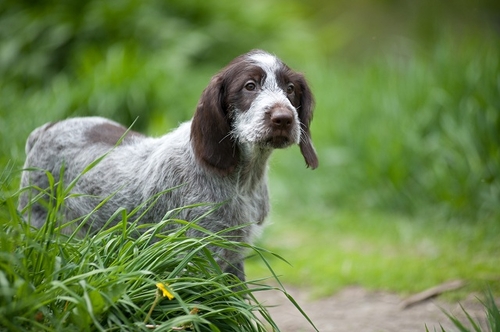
(229, 134)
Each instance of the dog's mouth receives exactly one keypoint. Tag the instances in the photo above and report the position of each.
(279, 141)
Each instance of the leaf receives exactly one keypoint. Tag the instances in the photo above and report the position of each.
(98, 303)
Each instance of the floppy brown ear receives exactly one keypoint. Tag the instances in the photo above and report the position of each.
(305, 115)
(210, 137)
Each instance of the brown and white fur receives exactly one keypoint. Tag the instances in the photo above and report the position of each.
(252, 106)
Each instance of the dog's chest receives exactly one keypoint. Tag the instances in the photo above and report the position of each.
(250, 206)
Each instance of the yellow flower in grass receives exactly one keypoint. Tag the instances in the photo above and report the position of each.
(164, 291)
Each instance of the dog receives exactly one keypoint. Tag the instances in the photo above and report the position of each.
(252, 106)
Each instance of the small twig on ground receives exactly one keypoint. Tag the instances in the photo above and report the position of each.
(432, 292)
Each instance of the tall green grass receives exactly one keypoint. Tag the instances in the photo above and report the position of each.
(52, 281)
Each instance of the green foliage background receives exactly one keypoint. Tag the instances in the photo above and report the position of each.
(408, 92)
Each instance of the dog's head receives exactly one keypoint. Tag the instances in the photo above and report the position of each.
(256, 100)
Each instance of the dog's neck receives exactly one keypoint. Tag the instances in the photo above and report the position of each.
(252, 167)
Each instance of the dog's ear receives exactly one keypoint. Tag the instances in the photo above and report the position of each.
(210, 130)
(305, 115)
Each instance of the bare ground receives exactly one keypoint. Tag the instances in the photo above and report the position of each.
(356, 309)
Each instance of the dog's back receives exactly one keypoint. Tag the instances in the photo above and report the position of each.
(68, 146)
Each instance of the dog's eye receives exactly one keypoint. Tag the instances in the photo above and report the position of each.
(290, 89)
(250, 86)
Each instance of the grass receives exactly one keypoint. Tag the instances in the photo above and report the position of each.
(471, 325)
(380, 251)
(128, 277)
(410, 133)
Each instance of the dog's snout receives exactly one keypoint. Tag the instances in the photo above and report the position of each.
(281, 118)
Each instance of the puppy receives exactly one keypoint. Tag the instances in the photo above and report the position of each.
(254, 105)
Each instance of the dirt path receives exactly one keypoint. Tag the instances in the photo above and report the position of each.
(355, 309)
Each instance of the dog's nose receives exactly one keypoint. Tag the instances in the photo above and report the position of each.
(281, 118)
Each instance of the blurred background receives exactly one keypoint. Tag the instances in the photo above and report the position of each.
(407, 118)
